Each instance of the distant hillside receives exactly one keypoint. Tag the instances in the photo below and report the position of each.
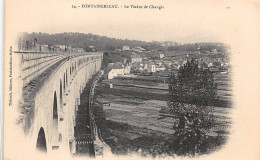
(103, 43)
(81, 40)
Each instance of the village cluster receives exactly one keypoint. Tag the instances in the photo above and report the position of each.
(149, 63)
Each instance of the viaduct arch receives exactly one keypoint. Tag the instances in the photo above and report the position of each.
(55, 96)
(41, 141)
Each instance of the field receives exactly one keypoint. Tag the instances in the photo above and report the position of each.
(132, 118)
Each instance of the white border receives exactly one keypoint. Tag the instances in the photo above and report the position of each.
(1, 77)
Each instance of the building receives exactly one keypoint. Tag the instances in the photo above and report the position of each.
(161, 55)
(125, 48)
(62, 47)
(210, 64)
(159, 68)
(213, 69)
(91, 48)
(151, 68)
(115, 71)
(145, 65)
(127, 70)
(138, 49)
(110, 65)
(136, 58)
(214, 51)
(76, 50)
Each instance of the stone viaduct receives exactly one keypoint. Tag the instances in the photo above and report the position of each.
(52, 84)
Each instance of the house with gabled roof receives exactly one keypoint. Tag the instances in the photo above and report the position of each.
(136, 58)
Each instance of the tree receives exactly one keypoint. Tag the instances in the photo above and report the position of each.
(193, 85)
(191, 96)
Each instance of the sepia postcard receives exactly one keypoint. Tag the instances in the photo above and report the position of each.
(131, 79)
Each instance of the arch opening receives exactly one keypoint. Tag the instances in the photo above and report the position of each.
(60, 91)
(55, 107)
(41, 141)
(64, 81)
(55, 118)
(66, 77)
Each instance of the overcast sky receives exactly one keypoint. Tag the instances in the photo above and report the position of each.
(189, 21)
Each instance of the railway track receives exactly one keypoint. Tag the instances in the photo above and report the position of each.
(85, 128)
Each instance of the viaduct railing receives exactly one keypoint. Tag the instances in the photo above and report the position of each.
(85, 140)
